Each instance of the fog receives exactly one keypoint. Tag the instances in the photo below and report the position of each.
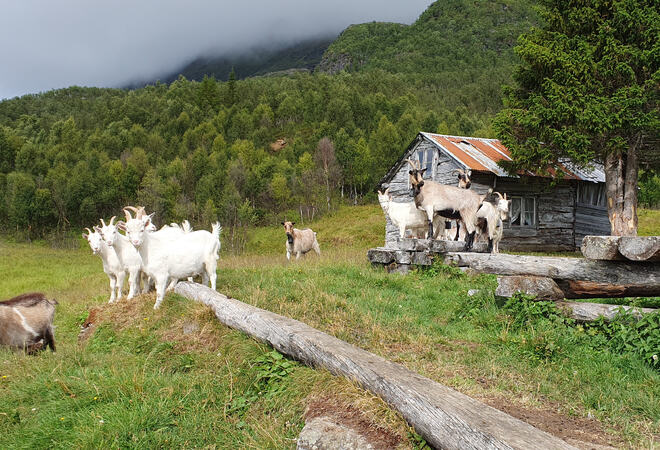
(53, 44)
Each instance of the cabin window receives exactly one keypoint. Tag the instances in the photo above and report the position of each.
(592, 194)
(522, 212)
(425, 158)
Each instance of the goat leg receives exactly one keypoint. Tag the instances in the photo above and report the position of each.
(430, 229)
(490, 245)
(469, 240)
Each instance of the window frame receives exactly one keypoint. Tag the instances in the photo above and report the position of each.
(523, 210)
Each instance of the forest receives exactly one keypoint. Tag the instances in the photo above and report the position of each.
(262, 149)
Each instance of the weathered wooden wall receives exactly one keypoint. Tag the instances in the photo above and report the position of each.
(590, 221)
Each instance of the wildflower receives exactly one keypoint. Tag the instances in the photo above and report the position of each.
(101, 421)
(96, 398)
(61, 418)
(655, 358)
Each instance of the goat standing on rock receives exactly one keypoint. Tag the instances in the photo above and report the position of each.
(26, 322)
(299, 242)
(448, 201)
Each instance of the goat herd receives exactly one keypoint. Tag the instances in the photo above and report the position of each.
(161, 257)
(149, 256)
(435, 205)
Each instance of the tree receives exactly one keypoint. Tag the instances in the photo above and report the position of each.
(327, 163)
(587, 90)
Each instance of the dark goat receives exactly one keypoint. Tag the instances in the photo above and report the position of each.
(26, 322)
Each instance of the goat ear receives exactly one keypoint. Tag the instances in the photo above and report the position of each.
(85, 236)
(96, 228)
(410, 172)
(422, 171)
(282, 223)
(293, 223)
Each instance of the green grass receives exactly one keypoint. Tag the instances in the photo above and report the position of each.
(140, 381)
(649, 222)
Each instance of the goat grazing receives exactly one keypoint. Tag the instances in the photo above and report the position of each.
(127, 254)
(299, 242)
(26, 322)
(112, 266)
(447, 201)
(165, 259)
(406, 216)
(490, 219)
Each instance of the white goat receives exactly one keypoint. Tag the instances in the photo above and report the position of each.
(26, 322)
(448, 201)
(490, 219)
(112, 266)
(165, 259)
(406, 216)
(127, 254)
(299, 242)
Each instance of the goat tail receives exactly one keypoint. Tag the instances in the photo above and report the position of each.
(216, 230)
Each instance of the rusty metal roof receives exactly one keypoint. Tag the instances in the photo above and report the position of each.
(482, 155)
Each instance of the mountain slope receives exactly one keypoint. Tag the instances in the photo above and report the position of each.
(303, 55)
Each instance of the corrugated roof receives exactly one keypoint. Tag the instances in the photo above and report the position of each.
(482, 155)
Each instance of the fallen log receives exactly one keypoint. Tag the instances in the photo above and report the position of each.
(634, 274)
(545, 288)
(590, 289)
(585, 312)
(640, 248)
(601, 248)
(444, 417)
(438, 245)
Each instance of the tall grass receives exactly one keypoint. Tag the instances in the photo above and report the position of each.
(177, 378)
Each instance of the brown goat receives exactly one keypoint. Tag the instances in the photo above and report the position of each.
(26, 322)
(299, 242)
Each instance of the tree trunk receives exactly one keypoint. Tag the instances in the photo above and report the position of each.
(621, 185)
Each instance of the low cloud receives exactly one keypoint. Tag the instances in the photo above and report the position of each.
(48, 45)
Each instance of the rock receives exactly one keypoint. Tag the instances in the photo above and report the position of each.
(473, 292)
(542, 287)
(322, 433)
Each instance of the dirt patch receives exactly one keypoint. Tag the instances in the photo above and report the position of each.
(351, 417)
(579, 431)
(88, 327)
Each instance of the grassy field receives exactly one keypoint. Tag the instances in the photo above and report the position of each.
(177, 378)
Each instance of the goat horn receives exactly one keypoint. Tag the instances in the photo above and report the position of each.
(88, 230)
(505, 196)
(102, 222)
(132, 208)
(412, 164)
(459, 171)
(112, 219)
(128, 214)
(501, 198)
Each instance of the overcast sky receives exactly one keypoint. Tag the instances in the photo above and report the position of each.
(47, 44)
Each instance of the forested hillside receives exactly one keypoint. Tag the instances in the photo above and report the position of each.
(253, 151)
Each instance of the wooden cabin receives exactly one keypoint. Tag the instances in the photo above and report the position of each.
(544, 216)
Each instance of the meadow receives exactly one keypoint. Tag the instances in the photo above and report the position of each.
(178, 378)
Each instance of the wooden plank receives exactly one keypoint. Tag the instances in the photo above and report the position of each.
(640, 248)
(444, 417)
(585, 312)
(613, 272)
(601, 248)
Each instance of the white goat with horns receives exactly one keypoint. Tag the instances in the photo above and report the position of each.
(165, 259)
(490, 218)
(112, 266)
(128, 255)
